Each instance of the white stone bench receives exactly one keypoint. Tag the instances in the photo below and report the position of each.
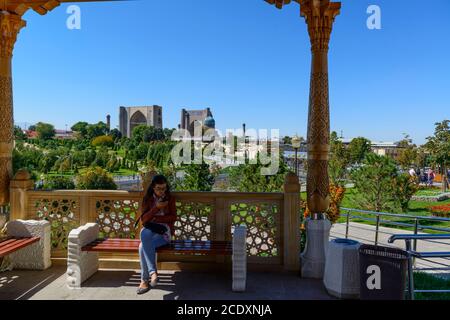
(36, 254)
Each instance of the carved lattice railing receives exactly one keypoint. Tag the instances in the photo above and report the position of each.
(201, 216)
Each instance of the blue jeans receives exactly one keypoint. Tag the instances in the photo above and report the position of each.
(147, 252)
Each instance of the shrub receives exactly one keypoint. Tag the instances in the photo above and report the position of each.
(59, 183)
(334, 211)
(95, 179)
(404, 188)
(106, 141)
(374, 183)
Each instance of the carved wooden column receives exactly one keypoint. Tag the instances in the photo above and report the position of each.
(319, 16)
(10, 25)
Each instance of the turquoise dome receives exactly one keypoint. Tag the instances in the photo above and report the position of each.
(210, 122)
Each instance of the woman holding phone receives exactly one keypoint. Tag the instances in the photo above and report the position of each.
(158, 218)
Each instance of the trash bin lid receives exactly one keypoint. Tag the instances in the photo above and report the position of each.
(344, 241)
(380, 251)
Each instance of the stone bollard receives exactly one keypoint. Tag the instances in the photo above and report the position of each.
(341, 277)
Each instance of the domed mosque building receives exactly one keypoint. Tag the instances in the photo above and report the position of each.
(190, 117)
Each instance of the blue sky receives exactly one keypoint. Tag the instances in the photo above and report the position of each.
(246, 60)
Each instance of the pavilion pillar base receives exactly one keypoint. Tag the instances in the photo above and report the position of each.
(313, 258)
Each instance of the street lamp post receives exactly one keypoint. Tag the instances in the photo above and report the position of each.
(296, 141)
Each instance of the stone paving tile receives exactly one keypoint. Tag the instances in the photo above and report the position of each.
(121, 285)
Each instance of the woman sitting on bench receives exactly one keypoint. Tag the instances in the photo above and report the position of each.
(158, 218)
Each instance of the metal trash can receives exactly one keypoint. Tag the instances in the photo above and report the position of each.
(383, 272)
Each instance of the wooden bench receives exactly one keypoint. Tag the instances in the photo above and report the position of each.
(84, 246)
(177, 246)
(11, 244)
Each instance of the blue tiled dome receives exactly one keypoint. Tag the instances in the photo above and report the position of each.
(210, 122)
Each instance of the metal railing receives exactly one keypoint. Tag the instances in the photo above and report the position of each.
(378, 219)
(412, 253)
(381, 218)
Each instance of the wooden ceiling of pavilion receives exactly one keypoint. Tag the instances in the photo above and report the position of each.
(40, 6)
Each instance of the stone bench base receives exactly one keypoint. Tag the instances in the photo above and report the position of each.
(37, 255)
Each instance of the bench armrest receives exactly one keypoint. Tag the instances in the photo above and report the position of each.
(81, 264)
(36, 256)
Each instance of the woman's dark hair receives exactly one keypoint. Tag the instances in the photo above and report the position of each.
(158, 179)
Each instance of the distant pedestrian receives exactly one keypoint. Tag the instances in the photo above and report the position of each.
(430, 177)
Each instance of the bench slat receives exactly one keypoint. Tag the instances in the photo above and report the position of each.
(16, 244)
(176, 246)
(6, 242)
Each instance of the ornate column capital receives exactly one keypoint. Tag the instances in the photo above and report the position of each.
(319, 16)
(10, 25)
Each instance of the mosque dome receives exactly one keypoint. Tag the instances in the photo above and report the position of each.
(210, 122)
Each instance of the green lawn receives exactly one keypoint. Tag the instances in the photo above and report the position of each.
(424, 281)
(428, 192)
(125, 172)
(121, 172)
(416, 208)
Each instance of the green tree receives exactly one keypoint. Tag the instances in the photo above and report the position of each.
(153, 134)
(248, 178)
(374, 183)
(59, 183)
(408, 153)
(287, 140)
(26, 157)
(358, 149)
(138, 133)
(339, 161)
(115, 134)
(404, 188)
(160, 153)
(45, 131)
(96, 130)
(439, 148)
(47, 162)
(18, 133)
(103, 141)
(95, 179)
(80, 128)
(168, 134)
(113, 164)
(101, 159)
(197, 178)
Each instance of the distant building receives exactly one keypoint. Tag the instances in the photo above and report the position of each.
(63, 134)
(390, 149)
(131, 117)
(381, 148)
(31, 134)
(204, 117)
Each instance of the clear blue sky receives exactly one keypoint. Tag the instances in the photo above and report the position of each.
(246, 60)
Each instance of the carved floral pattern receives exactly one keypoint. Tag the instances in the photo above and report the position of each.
(263, 226)
(63, 215)
(116, 218)
(195, 221)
